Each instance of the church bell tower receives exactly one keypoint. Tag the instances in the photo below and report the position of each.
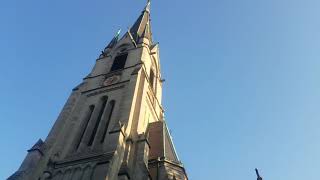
(112, 126)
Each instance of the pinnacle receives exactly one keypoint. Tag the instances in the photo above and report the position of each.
(147, 8)
(141, 27)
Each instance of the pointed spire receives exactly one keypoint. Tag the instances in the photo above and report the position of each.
(114, 40)
(147, 8)
(112, 43)
(258, 175)
(142, 28)
(146, 35)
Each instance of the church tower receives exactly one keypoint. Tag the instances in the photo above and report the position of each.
(112, 126)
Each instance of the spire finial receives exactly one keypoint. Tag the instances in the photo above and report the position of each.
(142, 26)
(258, 175)
(147, 8)
(118, 33)
(112, 43)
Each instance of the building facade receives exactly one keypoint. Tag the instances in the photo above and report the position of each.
(112, 126)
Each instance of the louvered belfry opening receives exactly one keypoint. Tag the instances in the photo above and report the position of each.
(119, 62)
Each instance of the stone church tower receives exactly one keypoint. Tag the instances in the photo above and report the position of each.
(112, 126)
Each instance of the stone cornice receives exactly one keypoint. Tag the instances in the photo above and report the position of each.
(105, 89)
(101, 157)
(113, 72)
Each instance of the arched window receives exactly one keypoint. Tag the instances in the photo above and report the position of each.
(86, 122)
(119, 62)
(108, 116)
(151, 78)
(94, 132)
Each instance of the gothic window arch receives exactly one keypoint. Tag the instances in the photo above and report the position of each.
(155, 64)
(109, 112)
(94, 132)
(119, 62)
(151, 78)
(122, 47)
(85, 125)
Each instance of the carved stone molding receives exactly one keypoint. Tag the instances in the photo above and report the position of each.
(102, 157)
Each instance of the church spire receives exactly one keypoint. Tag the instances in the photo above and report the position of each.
(258, 175)
(114, 40)
(112, 43)
(142, 28)
(99, 133)
(147, 8)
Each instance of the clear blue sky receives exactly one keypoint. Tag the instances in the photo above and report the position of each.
(242, 77)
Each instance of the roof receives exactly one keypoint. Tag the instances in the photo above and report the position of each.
(161, 145)
(142, 27)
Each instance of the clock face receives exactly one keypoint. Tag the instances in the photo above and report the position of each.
(111, 80)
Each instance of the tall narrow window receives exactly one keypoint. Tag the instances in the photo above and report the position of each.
(86, 122)
(119, 62)
(109, 114)
(94, 132)
(151, 78)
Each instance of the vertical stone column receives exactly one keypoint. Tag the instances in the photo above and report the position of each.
(142, 146)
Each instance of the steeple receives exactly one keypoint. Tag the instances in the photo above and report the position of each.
(112, 43)
(142, 28)
(112, 125)
(258, 175)
(114, 40)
